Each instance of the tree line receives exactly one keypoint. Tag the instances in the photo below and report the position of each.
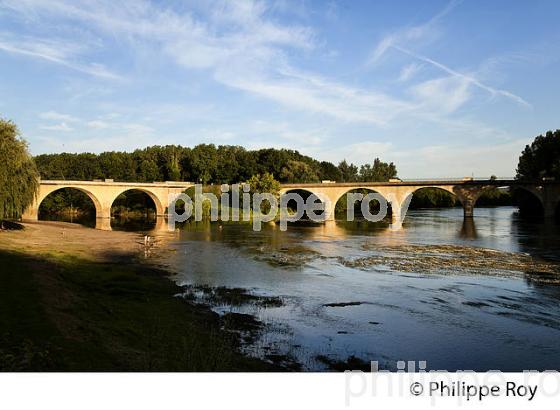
(206, 164)
(211, 164)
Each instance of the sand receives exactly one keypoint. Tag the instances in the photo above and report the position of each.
(72, 239)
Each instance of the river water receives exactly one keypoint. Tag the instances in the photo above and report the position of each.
(454, 294)
(480, 294)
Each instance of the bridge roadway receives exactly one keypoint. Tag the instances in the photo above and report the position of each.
(397, 192)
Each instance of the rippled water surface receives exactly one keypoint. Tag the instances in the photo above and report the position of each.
(460, 295)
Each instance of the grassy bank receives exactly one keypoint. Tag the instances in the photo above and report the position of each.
(60, 312)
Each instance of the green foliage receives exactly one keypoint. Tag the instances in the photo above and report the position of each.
(18, 173)
(298, 171)
(206, 164)
(378, 172)
(495, 197)
(134, 203)
(329, 171)
(203, 162)
(349, 172)
(149, 171)
(264, 183)
(341, 206)
(432, 198)
(67, 201)
(541, 158)
(438, 198)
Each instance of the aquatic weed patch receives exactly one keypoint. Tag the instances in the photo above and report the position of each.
(450, 259)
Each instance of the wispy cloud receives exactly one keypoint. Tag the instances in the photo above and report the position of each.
(244, 48)
(97, 124)
(56, 116)
(409, 71)
(54, 51)
(411, 33)
(468, 79)
(435, 161)
(311, 92)
(61, 120)
(239, 44)
(439, 95)
(64, 127)
(459, 93)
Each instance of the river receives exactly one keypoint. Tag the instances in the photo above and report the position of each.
(473, 295)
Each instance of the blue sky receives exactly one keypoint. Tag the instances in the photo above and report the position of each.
(441, 88)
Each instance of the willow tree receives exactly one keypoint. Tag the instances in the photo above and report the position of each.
(19, 179)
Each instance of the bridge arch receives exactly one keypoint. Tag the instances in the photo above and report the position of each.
(469, 195)
(43, 195)
(159, 208)
(379, 191)
(535, 192)
(538, 198)
(340, 195)
(446, 189)
(325, 200)
(104, 192)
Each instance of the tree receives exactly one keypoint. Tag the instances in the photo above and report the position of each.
(298, 171)
(19, 179)
(228, 164)
(149, 171)
(379, 172)
(204, 162)
(541, 159)
(329, 171)
(432, 198)
(264, 183)
(349, 172)
(172, 156)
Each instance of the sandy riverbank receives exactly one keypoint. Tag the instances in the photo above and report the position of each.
(70, 301)
(73, 239)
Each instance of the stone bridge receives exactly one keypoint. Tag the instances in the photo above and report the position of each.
(398, 193)
(104, 192)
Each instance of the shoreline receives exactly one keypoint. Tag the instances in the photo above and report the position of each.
(53, 237)
(78, 299)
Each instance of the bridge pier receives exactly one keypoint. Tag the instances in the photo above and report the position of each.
(103, 224)
(468, 208)
(549, 208)
(31, 214)
(550, 198)
(329, 210)
(396, 219)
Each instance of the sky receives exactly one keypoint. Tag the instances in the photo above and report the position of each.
(440, 88)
